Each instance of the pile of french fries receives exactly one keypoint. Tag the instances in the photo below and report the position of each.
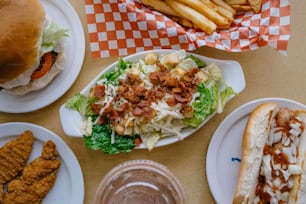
(207, 15)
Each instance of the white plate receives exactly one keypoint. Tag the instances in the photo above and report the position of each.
(69, 184)
(64, 15)
(232, 74)
(224, 150)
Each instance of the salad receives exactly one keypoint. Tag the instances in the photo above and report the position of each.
(144, 101)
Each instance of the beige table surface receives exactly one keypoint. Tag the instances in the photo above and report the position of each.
(267, 73)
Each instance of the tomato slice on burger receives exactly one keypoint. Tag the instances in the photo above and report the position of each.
(44, 66)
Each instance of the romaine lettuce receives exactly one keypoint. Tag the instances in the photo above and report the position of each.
(225, 95)
(199, 62)
(112, 76)
(80, 103)
(52, 34)
(205, 104)
(101, 140)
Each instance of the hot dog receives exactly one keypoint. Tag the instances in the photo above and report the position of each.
(272, 168)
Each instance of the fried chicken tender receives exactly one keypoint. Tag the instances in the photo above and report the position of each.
(36, 179)
(14, 155)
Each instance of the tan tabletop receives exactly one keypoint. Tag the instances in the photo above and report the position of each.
(267, 73)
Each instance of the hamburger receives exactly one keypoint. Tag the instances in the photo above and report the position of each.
(31, 47)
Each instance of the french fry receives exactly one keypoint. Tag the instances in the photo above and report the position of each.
(237, 2)
(256, 5)
(220, 10)
(226, 13)
(186, 23)
(238, 7)
(198, 19)
(182, 21)
(207, 11)
(160, 6)
(164, 8)
(224, 5)
(209, 4)
(224, 27)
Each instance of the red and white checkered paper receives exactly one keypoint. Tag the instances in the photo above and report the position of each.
(124, 27)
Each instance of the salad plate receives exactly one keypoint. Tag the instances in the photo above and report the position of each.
(231, 73)
(64, 15)
(69, 184)
(224, 151)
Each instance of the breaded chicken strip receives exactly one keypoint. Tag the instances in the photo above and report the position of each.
(36, 179)
(14, 155)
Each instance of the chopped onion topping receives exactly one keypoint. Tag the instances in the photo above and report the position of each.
(295, 141)
(277, 151)
(270, 183)
(293, 149)
(277, 137)
(273, 201)
(277, 172)
(278, 195)
(295, 126)
(294, 169)
(285, 195)
(283, 145)
(267, 167)
(286, 174)
(268, 189)
(298, 118)
(277, 166)
(277, 182)
(286, 141)
(287, 152)
(290, 183)
(295, 132)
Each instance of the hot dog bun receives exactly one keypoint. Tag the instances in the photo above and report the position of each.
(255, 136)
(265, 135)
